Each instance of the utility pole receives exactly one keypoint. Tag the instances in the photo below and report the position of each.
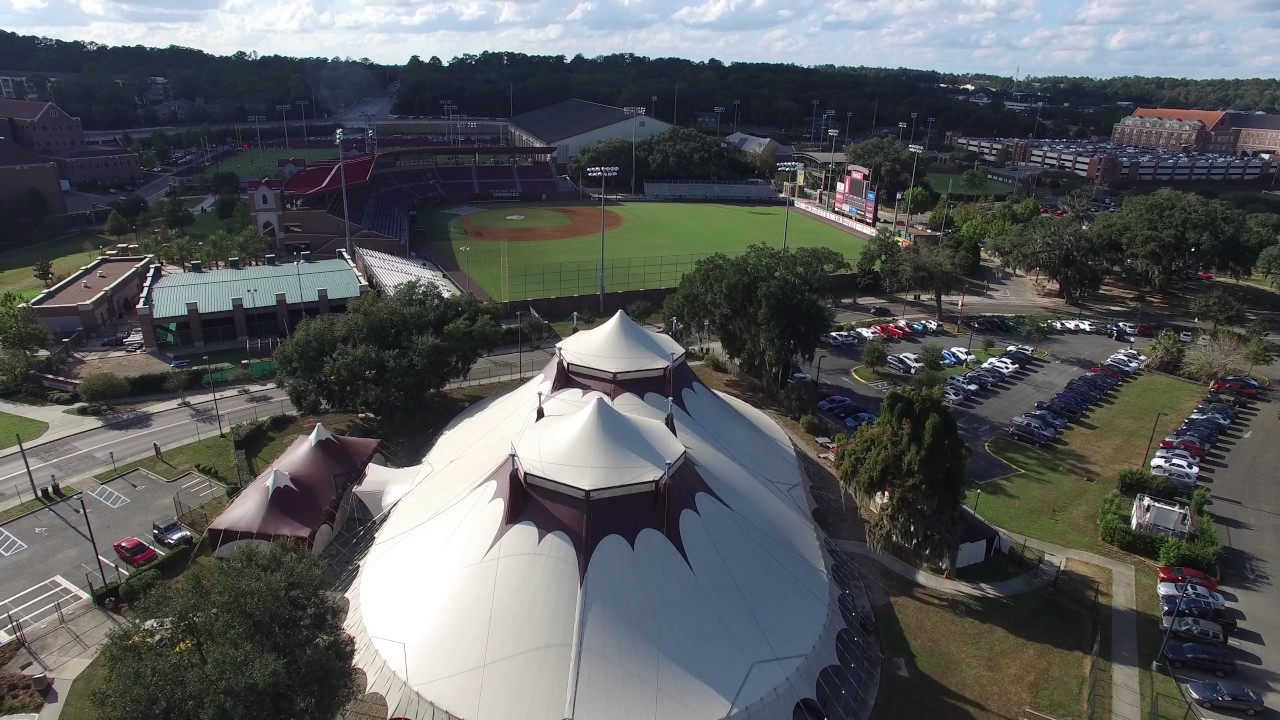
(303, 104)
(92, 540)
(258, 128)
(30, 477)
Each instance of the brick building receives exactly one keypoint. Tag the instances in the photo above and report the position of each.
(1105, 162)
(94, 298)
(46, 130)
(1259, 133)
(21, 170)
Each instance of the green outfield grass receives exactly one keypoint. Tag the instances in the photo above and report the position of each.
(530, 217)
(938, 181)
(253, 164)
(656, 245)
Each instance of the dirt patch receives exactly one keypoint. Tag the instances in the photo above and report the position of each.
(582, 221)
(121, 363)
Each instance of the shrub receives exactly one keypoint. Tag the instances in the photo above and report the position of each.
(714, 362)
(1114, 519)
(640, 310)
(91, 409)
(241, 377)
(798, 398)
(159, 382)
(988, 343)
(138, 585)
(810, 424)
(875, 355)
(62, 398)
(1132, 481)
(1203, 556)
(103, 387)
(1200, 500)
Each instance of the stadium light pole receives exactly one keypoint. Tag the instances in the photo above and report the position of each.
(834, 133)
(790, 168)
(303, 105)
(737, 105)
(635, 112)
(901, 126)
(602, 172)
(848, 123)
(914, 150)
(258, 128)
(466, 260)
(342, 173)
(928, 133)
(284, 113)
(720, 110)
(827, 118)
(813, 127)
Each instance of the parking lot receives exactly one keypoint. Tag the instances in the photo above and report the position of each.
(51, 548)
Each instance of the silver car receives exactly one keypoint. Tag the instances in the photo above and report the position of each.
(1224, 694)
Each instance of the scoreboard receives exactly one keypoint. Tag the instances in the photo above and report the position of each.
(854, 196)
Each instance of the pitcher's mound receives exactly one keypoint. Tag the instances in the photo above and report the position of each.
(515, 217)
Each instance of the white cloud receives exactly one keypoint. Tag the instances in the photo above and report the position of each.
(1044, 37)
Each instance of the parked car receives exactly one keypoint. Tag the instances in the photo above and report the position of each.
(913, 361)
(1017, 357)
(1004, 366)
(1027, 434)
(880, 311)
(847, 337)
(1214, 658)
(932, 325)
(1252, 382)
(903, 326)
(962, 383)
(1059, 422)
(1175, 574)
(1064, 409)
(918, 327)
(832, 403)
(170, 533)
(967, 356)
(1204, 433)
(1194, 629)
(1192, 446)
(1142, 359)
(1086, 326)
(1048, 429)
(1165, 589)
(801, 377)
(992, 377)
(1223, 421)
(1110, 372)
(1220, 408)
(1179, 454)
(1128, 327)
(1227, 397)
(954, 395)
(1192, 607)
(868, 334)
(1224, 694)
(1237, 388)
(112, 342)
(1185, 336)
(950, 359)
(1145, 331)
(134, 552)
(832, 339)
(1162, 466)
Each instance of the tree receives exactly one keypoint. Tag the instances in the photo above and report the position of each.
(887, 158)
(259, 635)
(931, 356)
(1258, 352)
(1223, 353)
(142, 222)
(1217, 308)
(768, 306)
(1061, 249)
(225, 206)
(225, 182)
(916, 199)
(973, 182)
(101, 388)
(913, 460)
(116, 226)
(43, 272)
(1166, 352)
(875, 355)
(1037, 328)
(1268, 265)
(20, 330)
(388, 353)
(931, 267)
(176, 215)
(241, 218)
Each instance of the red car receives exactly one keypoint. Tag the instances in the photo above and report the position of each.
(902, 327)
(1194, 448)
(888, 331)
(1146, 331)
(1205, 276)
(1107, 371)
(134, 552)
(1237, 387)
(1187, 575)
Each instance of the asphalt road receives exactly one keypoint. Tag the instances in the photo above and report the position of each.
(130, 436)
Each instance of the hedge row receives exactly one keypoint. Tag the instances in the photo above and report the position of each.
(140, 583)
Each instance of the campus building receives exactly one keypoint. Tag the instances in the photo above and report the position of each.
(21, 171)
(1105, 162)
(200, 307)
(1214, 132)
(46, 130)
(94, 298)
(570, 125)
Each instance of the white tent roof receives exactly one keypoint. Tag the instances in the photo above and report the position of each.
(620, 346)
(597, 447)
(728, 612)
(383, 486)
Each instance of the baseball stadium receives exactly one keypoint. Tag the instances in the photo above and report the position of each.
(505, 224)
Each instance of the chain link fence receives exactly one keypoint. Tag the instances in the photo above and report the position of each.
(531, 282)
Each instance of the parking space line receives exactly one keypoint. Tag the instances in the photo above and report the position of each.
(112, 564)
(10, 544)
(108, 496)
(194, 481)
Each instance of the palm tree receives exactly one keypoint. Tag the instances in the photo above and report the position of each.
(182, 249)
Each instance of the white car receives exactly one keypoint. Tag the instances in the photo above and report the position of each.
(1134, 354)
(1171, 454)
(1167, 464)
(833, 402)
(913, 361)
(1126, 361)
(959, 381)
(1192, 591)
(833, 339)
(1128, 328)
(1003, 366)
(1086, 326)
(1061, 325)
(1185, 336)
(801, 377)
(1022, 348)
(933, 325)
(968, 356)
(867, 333)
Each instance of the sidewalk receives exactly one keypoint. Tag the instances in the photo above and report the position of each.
(1004, 588)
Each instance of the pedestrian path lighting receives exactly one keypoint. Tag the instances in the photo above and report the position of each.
(602, 172)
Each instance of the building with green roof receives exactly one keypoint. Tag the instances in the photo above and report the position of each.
(201, 307)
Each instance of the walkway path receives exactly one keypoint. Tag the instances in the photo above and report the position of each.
(1126, 694)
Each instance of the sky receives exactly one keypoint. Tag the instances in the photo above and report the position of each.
(1098, 38)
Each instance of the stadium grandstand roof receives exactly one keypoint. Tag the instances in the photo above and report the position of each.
(755, 144)
(593, 546)
(388, 272)
(213, 290)
(324, 176)
(568, 118)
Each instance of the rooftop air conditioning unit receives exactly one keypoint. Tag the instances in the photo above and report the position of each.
(102, 273)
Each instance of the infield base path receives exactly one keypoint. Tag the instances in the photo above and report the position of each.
(582, 221)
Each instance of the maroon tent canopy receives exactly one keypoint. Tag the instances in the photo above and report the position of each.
(300, 493)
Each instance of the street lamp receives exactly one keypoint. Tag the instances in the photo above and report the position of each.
(914, 150)
(789, 168)
(342, 173)
(284, 114)
(1151, 439)
(817, 374)
(303, 104)
(901, 126)
(602, 172)
(466, 254)
(209, 378)
(92, 540)
(635, 112)
(258, 128)
(718, 110)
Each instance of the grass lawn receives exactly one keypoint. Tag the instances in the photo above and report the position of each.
(67, 255)
(938, 179)
(255, 165)
(193, 202)
(999, 656)
(1057, 495)
(655, 246)
(12, 426)
(77, 705)
(23, 508)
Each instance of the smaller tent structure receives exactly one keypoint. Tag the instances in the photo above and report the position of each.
(303, 496)
(978, 540)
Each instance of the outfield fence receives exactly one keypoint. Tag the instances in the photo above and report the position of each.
(653, 272)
